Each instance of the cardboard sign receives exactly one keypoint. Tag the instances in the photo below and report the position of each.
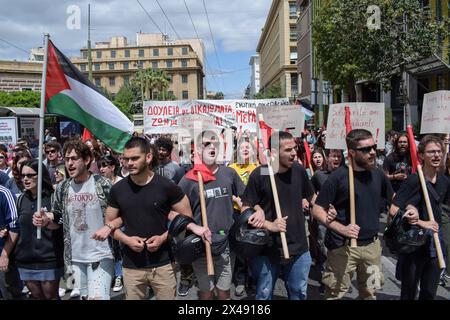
(363, 115)
(29, 128)
(8, 131)
(436, 112)
(284, 118)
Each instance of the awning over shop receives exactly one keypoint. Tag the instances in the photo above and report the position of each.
(433, 65)
(18, 111)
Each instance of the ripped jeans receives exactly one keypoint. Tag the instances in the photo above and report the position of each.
(294, 273)
(94, 278)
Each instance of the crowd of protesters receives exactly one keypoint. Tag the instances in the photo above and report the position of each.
(105, 217)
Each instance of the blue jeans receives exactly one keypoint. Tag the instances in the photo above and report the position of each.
(94, 278)
(294, 274)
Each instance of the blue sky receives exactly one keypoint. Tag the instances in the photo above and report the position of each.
(235, 24)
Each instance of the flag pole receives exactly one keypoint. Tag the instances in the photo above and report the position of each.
(41, 129)
(351, 180)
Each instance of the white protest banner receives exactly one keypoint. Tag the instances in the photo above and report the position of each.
(436, 112)
(284, 118)
(164, 116)
(8, 131)
(245, 112)
(363, 115)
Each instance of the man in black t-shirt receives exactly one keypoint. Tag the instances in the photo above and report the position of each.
(292, 185)
(371, 185)
(218, 193)
(421, 266)
(144, 203)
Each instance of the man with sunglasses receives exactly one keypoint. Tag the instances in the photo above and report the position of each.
(52, 161)
(218, 195)
(371, 186)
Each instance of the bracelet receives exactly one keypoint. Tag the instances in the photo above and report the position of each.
(109, 226)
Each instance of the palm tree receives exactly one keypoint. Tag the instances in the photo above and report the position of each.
(151, 81)
(162, 81)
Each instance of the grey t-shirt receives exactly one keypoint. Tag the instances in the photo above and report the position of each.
(171, 170)
(218, 196)
(86, 217)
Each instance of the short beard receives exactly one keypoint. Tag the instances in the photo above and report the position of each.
(140, 170)
(364, 164)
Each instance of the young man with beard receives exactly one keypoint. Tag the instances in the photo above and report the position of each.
(421, 266)
(218, 195)
(293, 185)
(81, 202)
(166, 167)
(144, 203)
(397, 165)
(371, 185)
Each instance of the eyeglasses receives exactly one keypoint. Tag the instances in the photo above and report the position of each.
(28, 175)
(433, 152)
(50, 151)
(367, 149)
(67, 159)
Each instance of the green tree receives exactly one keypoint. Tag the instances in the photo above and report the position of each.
(273, 91)
(126, 97)
(351, 46)
(219, 96)
(27, 99)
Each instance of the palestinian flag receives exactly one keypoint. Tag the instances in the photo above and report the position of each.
(70, 94)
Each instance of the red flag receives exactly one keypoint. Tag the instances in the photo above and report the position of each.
(307, 152)
(86, 135)
(412, 149)
(266, 133)
(199, 166)
(348, 125)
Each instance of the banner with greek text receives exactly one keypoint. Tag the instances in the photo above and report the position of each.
(170, 116)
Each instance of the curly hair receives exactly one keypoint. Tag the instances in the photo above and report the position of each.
(80, 148)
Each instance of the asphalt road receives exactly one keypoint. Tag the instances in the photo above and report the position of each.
(389, 291)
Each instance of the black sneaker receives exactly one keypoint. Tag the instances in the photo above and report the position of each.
(183, 288)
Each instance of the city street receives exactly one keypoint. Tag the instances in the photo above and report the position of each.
(389, 291)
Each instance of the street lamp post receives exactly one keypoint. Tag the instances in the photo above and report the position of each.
(141, 80)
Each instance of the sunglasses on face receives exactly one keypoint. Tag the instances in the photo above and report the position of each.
(2, 157)
(28, 175)
(215, 144)
(50, 151)
(367, 149)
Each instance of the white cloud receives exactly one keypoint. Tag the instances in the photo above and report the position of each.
(236, 25)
